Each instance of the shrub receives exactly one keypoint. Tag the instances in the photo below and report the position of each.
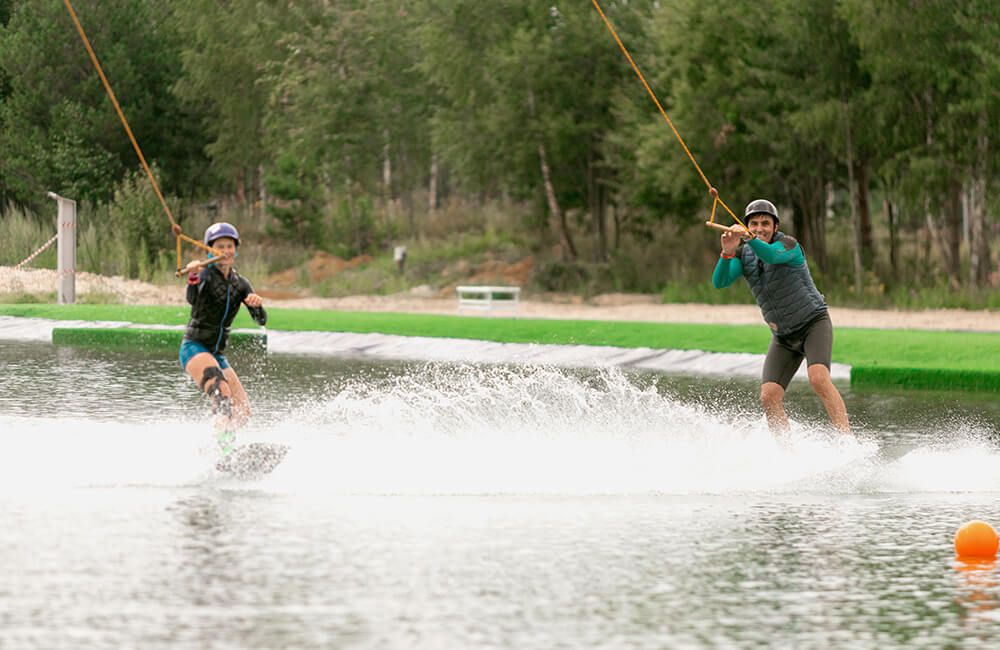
(557, 275)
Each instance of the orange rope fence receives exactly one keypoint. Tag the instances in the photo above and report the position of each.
(38, 252)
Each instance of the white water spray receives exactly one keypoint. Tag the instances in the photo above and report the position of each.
(497, 430)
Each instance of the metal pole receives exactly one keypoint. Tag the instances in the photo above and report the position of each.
(66, 229)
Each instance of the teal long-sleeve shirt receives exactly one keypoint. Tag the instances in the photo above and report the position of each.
(728, 271)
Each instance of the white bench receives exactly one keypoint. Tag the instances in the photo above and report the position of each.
(488, 297)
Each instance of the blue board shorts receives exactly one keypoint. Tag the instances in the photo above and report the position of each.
(191, 348)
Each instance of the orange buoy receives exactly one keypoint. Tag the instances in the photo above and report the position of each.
(976, 539)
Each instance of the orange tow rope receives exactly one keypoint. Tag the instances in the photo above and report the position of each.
(174, 226)
(716, 201)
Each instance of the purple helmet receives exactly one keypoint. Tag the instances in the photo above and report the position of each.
(220, 230)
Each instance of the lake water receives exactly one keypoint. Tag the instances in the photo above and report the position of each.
(450, 506)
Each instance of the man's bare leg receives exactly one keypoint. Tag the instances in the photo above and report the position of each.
(772, 397)
(822, 384)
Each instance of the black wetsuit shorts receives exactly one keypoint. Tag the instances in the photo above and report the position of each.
(814, 342)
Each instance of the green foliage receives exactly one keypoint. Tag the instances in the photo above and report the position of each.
(135, 221)
(349, 117)
(98, 298)
(298, 211)
(99, 249)
(21, 235)
(702, 291)
(912, 297)
(562, 276)
(470, 247)
(919, 56)
(520, 78)
(228, 47)
(58, 130)
(379, 278)
(354, 231)
(23, 298)
(325, 125)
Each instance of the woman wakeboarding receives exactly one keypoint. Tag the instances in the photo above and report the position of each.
(215, 291)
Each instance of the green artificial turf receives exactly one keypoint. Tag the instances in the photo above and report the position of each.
(146, 339)
(896, 356)
(925, 378)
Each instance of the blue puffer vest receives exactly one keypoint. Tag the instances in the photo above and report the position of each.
(786, 294)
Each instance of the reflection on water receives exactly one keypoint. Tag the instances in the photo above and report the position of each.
(978, 593)
(195, 566)
(437, 507)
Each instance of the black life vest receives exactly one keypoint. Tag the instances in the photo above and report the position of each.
(215, 300)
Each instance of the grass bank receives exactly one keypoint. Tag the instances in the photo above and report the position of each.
(906, 358)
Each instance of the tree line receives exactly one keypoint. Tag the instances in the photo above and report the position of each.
(326, 113)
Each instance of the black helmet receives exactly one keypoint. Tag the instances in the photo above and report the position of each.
(761, 206)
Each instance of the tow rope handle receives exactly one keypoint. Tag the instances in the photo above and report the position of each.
(711, 223)
(176, 229)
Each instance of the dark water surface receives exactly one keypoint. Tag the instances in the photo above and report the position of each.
(429, 506)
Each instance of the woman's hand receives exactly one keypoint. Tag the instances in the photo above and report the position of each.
(192, 267)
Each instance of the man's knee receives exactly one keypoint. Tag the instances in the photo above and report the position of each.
(771, 394)
(819, 377)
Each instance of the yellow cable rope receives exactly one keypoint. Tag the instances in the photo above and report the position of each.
(175, 227)
(642, 78)
(118, 109)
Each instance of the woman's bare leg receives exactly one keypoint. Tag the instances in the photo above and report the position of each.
(241, 402)
(213, 381)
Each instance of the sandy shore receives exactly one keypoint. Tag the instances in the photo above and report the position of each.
(622, 307)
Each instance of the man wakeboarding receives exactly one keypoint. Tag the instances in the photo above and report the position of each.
(775, 268)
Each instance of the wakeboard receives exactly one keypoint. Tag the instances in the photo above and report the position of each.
(252, 461)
